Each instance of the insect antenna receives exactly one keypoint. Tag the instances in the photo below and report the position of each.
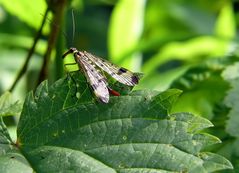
(60, 29)
(73, 27)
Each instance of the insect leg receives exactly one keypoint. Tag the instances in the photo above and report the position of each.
(113, 92)
(73, 80)
(69, 75)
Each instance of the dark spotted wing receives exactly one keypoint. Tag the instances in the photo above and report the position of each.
(94, 77)
(121, 74)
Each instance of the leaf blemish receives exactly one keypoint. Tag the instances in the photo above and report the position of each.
(78, 95)
(124, 138)
(55, 134)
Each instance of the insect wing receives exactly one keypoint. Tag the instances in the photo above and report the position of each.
(119, 73)
(96, 79)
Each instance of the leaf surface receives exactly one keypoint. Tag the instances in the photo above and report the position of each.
(11, 160)
(133, 133)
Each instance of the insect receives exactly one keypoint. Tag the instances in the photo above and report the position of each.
(90, 66)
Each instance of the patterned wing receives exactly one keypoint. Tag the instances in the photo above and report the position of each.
(121, 74)
(95, 78)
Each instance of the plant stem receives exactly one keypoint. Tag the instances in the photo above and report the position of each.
(30, 53)
(58, 12)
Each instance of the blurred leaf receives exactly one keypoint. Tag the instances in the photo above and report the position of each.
(26, 10)
(235, 154)
(20, 41)
(126, 26)
(108, 2)
(11, 61)
(77, 4)
(132, 133)
(11, 159)
(203, 87)
(7, 106)
(204, 91)
(231, 72)
(232, 99)
(174, 19)
(161, 81)
(226, 22)
(189, 51)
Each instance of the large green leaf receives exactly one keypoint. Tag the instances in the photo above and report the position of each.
(132, 133)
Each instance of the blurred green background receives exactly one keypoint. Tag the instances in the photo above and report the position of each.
(160, 38)
(176, 44)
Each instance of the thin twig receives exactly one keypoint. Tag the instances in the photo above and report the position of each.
(30, 53)
(59, 8)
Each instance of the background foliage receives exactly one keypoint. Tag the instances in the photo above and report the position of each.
(189, 45)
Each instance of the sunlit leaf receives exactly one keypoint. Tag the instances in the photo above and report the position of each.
(27, 11)
(161, 81)
(226, 22)
(126, 26)
(189, 51)
(25, 42)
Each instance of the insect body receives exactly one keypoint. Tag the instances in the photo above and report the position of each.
(88, 63)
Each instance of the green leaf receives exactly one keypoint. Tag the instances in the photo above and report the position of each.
(11, 160)
(188, 18)
(214, 162)
(232, 99)
(188, 51)
(226, 23)
(196, 123)
(23, 8)
(7, 106)
(24, 42)
(198, 84)
(126, 26)
(132, 133)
